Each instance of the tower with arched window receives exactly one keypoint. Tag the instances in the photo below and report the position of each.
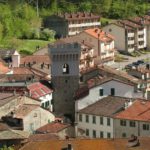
(65, 76)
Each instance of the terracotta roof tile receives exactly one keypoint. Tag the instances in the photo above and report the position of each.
(88, 144)
(139, 110)
(42, 137)
(38, 90)
(3, 69)
(103, 36)
(38, 59)
(22, 70)
(79, 16)
(53, 127)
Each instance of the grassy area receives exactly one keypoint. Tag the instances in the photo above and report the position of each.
(120, 58)
(27, 47)
(105, 21)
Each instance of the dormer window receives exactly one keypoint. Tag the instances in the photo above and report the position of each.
(65, 69)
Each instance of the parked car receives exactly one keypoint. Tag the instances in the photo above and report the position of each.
(135, 64)
(140, 62)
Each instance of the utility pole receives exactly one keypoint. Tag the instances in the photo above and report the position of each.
(37, 8)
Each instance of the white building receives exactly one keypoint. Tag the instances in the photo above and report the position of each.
(41, 92)
(104, 87)
(134, 120)
(96, 120)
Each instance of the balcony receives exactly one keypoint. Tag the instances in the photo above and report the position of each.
(130, 42)
(141, 39)
(84, 24)
(130, 34)
(141, 32)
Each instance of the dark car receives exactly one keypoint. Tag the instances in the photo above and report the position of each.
(140, 62)
(135, 63)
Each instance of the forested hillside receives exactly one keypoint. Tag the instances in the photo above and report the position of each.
(22, 19)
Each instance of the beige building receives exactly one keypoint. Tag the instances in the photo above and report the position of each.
(9, 102)
(103, 45)
(129, 35)
(29, 117)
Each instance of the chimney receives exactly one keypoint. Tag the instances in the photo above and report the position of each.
(15, 59)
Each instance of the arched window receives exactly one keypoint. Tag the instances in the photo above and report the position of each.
(65, 69)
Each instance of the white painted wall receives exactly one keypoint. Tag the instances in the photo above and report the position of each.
(118, 33)
(98, 127)
(46, 98)
(41, 118)
(121, 89)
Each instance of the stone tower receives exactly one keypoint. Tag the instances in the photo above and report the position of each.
(65, 77)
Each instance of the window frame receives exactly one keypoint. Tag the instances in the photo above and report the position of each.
(132, 123)
(101, 92)
(80, 117)
(123, 123)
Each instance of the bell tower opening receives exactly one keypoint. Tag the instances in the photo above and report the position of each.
(65, 69)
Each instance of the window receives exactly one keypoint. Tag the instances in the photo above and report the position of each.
(101, 92)
(42, 105)
(87, 132)
(101, 120)
(94, 134)
(108, 135)
(65, 69)
(112, 92)
(108, 121)
(145, 126)
(123, 122)
(101, 134)
(124, 135)
(46, 104)
(87, 118)
(80, 117)
(132, 123)
(35, 114)
(94, 119)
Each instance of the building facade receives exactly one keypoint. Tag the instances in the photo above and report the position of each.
(129, 36)
(103, 45)
(71, 23)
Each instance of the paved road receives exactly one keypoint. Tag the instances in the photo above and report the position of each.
(121, 65)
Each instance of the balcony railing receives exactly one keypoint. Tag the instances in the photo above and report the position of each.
(84, 24)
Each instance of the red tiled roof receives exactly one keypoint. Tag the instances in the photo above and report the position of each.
(22, 70)
(42, 137)
(88, 144)
(36, 59)
(53, 127)
(139, 110)
(103, 36)
(79, 16)
(3, 69)
(38, 89)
